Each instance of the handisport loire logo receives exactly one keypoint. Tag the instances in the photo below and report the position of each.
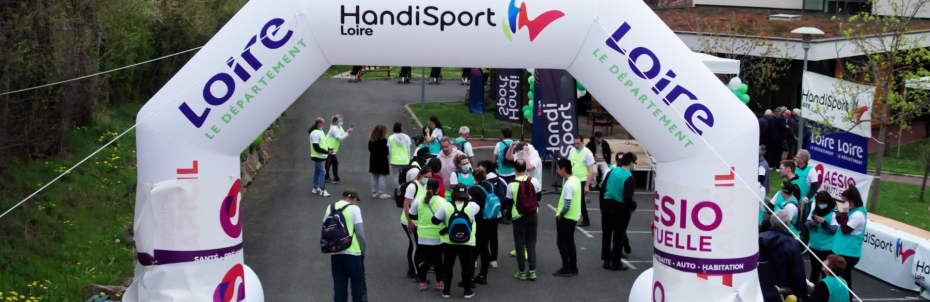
(901, 253)
(228, 211)
(517, 18)
(224, 291)
(858, 111)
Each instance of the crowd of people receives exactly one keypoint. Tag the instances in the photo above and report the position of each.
(808, 221)
(452, 206)
(778, 131)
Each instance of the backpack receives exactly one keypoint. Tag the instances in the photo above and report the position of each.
(459, 144)
(335, 235)
(503, 156)
(492, 204)
(459, 229)
(401, 190)
(526, 197)
(499, 185)
(402, 178)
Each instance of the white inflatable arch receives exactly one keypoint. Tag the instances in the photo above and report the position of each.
(188, 234)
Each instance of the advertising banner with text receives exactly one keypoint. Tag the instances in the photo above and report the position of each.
(921, 268)
(841, 104)
(555, 123)
(888, 253)
(842, 149)
(509, 95)
(835, 180)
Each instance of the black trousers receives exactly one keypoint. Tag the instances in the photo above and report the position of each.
(355, 70)
(817, 267)
(847, 274)
(411, 256)
(584, 204)
(507, 204)
(524, 237)
(486, 233)
(773, 152)
(332, 162)
(435, 72)
(615, 217)
(466, 73)
(405, 71)
(466, 256)
(430, 255)
(565, 239)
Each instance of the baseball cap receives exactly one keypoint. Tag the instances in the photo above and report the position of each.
(459, 192)
(351, 192)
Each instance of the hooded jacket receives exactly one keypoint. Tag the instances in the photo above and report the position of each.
(780, 264)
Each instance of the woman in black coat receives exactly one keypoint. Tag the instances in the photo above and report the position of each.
(378, 164)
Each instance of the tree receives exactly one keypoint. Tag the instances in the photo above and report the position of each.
(889, 59)
(763, 60)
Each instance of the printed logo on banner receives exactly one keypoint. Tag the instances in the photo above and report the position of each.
(833, 182)
(896, 249)
(842, 149)
(901, 253)
(858, 110)
(228, 211)
(224, 291)
(517, 19)
(251, 77)
(698, 117)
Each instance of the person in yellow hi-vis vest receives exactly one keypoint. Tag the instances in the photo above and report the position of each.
(348, 266)
(333, 139)
(319, 152)
(458, 238)
(399, 150)
(567, 215)
(583, 168)
(429, 241)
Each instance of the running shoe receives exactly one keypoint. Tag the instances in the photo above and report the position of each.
(469, 293)
(324, 193)
(520, 275)
(385, 196)
(422, 286)
(439, 286)
(446, 293)
(338, 182)
(531, 276)
(494, 263)
(315, 191)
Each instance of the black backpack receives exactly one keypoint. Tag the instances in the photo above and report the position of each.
(335, 235)
(402, 178)
(502, 158)
(500, 186)
(459, 229)
(399, 192)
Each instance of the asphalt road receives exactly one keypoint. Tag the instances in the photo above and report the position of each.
(282, 219)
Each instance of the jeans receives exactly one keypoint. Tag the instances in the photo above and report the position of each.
(486, 232)
(413, 256)
(615, 217)
(348, 269)
(430, 255)
(319, 175)
(524, 237)
(565, 239)
(332, 163)
(377, 183)
(399, 169)
(466, 256)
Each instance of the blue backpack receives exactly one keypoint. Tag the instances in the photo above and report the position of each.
(492, 204)
(335, 235)
(459, 225)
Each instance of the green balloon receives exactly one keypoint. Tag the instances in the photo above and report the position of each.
(742, 88)
(532, 80)
(532, 104)
(744, 98)
(528, 115)
(526, 107)
(578, 85)
(530, 95)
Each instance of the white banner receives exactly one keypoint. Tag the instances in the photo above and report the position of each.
(840, 104)
(921, 269)
(835, 180)
(888, 253)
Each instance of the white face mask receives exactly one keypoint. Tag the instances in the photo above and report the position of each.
(465, 167)
(340, 123)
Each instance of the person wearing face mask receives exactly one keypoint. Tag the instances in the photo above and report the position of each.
(527, 153)
(786, 201)
(583, 168)
(822, 225)
(434, 136)
(429, 242)
(852, 219)
(447, 158)
(831, 289)
(333, 139)
(462, 173)
(415, 189)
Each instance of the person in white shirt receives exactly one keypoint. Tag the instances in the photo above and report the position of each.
(852, 218)
(461, 143)
(319, 153)
(429, 241)
(348, 266)
(435, 135)
(464, 252)
(334, 138)
(527, 153)
(821, 221)
(601, 151)
(405, 144)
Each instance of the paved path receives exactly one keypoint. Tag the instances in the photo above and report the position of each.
(282, 219)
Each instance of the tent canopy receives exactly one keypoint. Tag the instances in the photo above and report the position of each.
(719, 65)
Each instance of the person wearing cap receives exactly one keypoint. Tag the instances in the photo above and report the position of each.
(465, 252)
(319, 154)
(583, 169)
(567, 216)
(601, 151)
(348, 266)
(461, 143)
(429, 242)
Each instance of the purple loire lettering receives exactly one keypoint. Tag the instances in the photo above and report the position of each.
(268, 33)
(657, 286)
(695, 112)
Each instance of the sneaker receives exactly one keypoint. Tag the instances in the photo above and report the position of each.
(375, 195)
(585, 223)
(315, 191)
(494, 263)
(520, 275)
(439, 286)
(385, 196)
(324, 193)
(574, 271)
(469, 293)
(562, 273)
(476, 263)
(481, 280)
(411, 275)
(462, 284)
(446, 293)
(338, 182)
(422, 286)
(531, 276)
(513, 253)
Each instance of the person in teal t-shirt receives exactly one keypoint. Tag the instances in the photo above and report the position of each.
(831, 289)
(822, 225)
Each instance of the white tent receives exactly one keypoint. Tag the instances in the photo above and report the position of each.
(719, 65)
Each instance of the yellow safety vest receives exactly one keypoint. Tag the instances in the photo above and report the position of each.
(334, 142)
(399, 153)
(574, 210)
(313, 152)
(421, 193)
(354, 248)
(579, 169)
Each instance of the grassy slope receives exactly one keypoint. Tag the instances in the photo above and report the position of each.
(455, 114)
(909, 163)
(448, 73)
(72, 233)
(897, 201)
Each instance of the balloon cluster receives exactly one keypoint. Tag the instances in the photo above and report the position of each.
(739, 89)
(528, 108)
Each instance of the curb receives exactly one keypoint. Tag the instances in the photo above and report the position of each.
(417, 121)
(895, 173)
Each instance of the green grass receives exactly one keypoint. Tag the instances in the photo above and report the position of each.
(455, 114)
(448, 73)
(897, 201)
(909, 163)
(72, 233)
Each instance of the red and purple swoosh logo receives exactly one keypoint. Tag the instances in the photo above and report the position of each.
(228, 211)
(224, 291)
(901, 253)
(517, 18)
